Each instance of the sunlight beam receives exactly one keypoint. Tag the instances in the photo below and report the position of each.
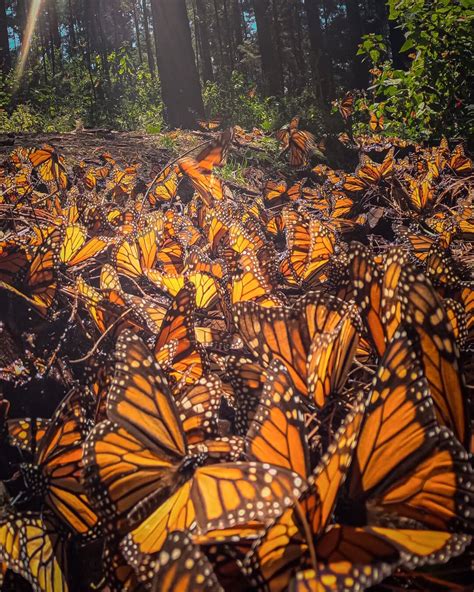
(30, 28)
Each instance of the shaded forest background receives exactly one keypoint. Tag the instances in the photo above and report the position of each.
(124, 63)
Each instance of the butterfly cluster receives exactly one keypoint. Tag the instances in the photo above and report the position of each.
(262, 392)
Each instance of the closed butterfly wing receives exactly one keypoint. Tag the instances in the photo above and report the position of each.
(31, 546)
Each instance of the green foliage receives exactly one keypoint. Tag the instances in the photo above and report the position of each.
(114, 93)
(237, 102)
(432, 97)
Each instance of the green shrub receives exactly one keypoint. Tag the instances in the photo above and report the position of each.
(432, 97)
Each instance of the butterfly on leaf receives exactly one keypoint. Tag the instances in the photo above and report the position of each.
(376, 123)
(346, 106)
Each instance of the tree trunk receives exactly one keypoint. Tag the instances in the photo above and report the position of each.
(360, 76)
(149, 49)
(53, 24)
(320, 61)
(137, 32)
(71, 27)
(180, 86)
(237, 25)
(5, 59)
(271, 68)
(204, 44)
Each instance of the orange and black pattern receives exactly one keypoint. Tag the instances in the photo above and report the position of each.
(221, 388)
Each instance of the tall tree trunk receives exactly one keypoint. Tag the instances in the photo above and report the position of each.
(180, 86)
(5, 59)
(137, 32)
(149, 49)
(271, 68)
(360, 75)
(53, 23)
(237, 25)
(71, 26)
(217, 31)
(320, 61)
(20, 18)
(229, 37)
(204, 44)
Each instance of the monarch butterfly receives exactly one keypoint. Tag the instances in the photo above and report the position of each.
(164, 187)
(12, 260)
(457, 319)
(427, 479)
(373, 288)
(286, 545)
(277, 193)
(310, 247)
(459, 162)
(27, 433)
(346, 106)
(190, 570)
(438, 351)
(186, 359)
(137, 253)
(123, 182)
(421, 193)
(76, 249)
(106, 309)
(435, 254)
(56, 471)
(246, 378)
(345, 555)
(283, 134)
(330, 358)
(199, 170)
(207, 289)
(50, 166)
(285, 333)
(210, 125)
(41, 277)
(376, 123)
(369, 173)
(251, 283)
(196, 260)
(32, 546)
(186, 492)
(299, 143)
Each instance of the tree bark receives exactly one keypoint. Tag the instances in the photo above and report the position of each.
(137, 32)
(5, 59)
(320, 61)
(271, 68)
(180, 86)
(204, 43)
(149, 49)
(360, 75)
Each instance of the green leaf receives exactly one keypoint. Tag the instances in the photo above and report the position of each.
(409, 43)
